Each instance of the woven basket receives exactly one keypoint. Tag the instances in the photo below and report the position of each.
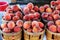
(52, 36)
(33, 36)
(12, 36)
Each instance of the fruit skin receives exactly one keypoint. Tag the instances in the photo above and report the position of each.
(19, 23)
(29, 30)
(58, 28)
(15, 18)
(31, 16)
(26, 10)
(7, 17)
(41, 25)
(52, 3)
(26, 17)
(15, 8)
(56, 12)
(53, 28)
(36, 8)
(56, 16)
(11, 24)
(49, 10)
(19, 14)
(9, 11)
(4, 25)
(46, 6)
(37, 15)
(57, 22)
(30, 6)
(35, 29)
(50, 18)
(17, 29)
(32, 11)
(41, 9)
(6, 30)
(58, 7)
(50, 23)
(27, 24)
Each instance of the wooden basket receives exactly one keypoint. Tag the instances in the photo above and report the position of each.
(52, 36)
(33, 36)
(12, 36)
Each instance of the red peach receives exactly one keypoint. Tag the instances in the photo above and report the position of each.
(11, 14)
(58, 7)
(56, 12)
(15, 18)
(50, 18)
(41, 9)
(53, 28)
(58, 28)
(29, 30)
(57, 22)
(19, 23)
(36, 8)
(32, 11)
(49, 10)
(52, 3)
(4, 25)
(30, 6)
(27, 25)
(17, 29)
(26, 10)
(7, 17)
(9, 11)
(41, 25)
(6, 30)
(50, 23)
(11, 24)
(46, 6)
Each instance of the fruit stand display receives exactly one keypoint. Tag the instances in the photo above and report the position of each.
(31, 22)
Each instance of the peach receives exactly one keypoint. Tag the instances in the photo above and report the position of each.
(11, 24)
(26, 10)
(53, 28)
(6, 30)
(57, 22)
(36, 8)
(50, 23)
(4, 25)
(35, 29)
(49, 10)
(9, 11)
(19, 23)
(41, 25)
(46, 6)
(50, 18)
(52, 3)
(41, 9)
(56, 12)
(11, 14)
(32, 11)
(17, 29)
(26, 17)
(15, 18)
(37, 15)
(30, 6)
(58, 7)
(29, 30)
(7, 17)
(27, 24)
(19, 14)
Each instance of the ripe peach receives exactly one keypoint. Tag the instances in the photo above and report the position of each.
(57, 22)
(46, 6)
(58, 7)
(29, 30)
(9, 11)
(26, 17)
(50, 23)
(15, 8)
(41, 9)
(31, 16)
(50, 18)
(27, 25)
(53, 28)
(26, 10)
(35, 29)
(41, 25)
(6, 30)
(52, 3)
(19, 14)
(7, 17)
(11, 24)
(32, 11)
(17, 29)
(49, 10)
(4, 25)
(19, 23)
(37, 15)
(36, 8)
(11, 14)
(56, 12)
(15, 18)
(30, 6)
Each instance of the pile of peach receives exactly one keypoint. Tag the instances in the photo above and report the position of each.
(11, 26)
(12, 13)
(54, 26)
(33, 27)
(31, 12)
